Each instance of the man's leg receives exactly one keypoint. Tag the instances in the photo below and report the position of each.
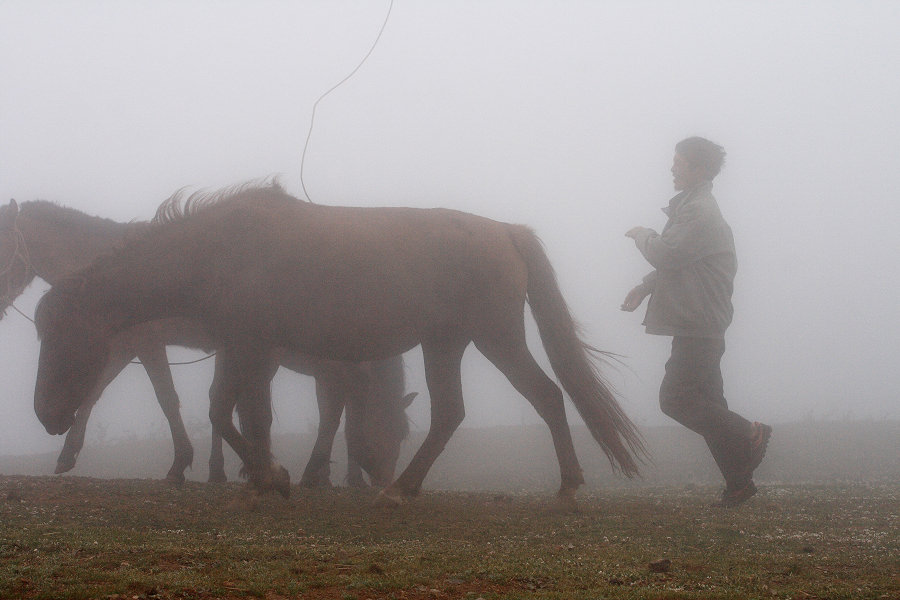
(692, 394)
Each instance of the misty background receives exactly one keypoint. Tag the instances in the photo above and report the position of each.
(559, 115)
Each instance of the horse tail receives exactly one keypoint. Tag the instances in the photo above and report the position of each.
(571, 360)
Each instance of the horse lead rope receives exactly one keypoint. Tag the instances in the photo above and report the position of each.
(312, 119)
(20, 252)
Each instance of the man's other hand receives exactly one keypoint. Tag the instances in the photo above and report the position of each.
(634, 298)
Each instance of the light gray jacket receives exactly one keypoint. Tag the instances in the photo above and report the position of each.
(695, 264)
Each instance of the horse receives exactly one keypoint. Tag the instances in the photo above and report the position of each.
(43, 239)
(260, 269)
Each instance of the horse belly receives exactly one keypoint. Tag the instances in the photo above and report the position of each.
(344, 327)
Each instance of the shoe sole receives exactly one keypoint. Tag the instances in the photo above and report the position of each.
(758, 451)
(738, 498)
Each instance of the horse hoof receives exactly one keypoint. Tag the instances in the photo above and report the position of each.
(388, 499)
(217, 478)
(176, 479)
(565, 500)
(63, 467)
(315, 481)
(281, 481)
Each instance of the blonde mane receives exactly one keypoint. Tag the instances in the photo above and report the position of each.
(176, 207)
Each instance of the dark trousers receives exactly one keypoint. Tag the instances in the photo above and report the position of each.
(692, 394)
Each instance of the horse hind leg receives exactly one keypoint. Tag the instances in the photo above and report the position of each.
(443, 377)
(519, 366)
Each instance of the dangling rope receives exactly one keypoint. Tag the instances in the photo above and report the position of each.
(334, 87)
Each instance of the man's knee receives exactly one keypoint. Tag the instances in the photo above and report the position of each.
(674, 401)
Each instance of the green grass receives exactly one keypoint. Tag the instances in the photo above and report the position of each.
(90, 538)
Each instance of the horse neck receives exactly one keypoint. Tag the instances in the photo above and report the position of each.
(387, 385)
(145, 280)
(387, 377)
(60, 241)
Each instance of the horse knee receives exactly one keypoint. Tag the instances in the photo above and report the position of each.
(220, 417)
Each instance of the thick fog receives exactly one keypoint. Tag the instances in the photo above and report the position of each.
(559, 115)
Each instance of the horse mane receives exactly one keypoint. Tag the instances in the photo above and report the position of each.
(64, 216)
(177, 208)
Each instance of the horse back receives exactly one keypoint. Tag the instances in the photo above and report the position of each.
(359, 277)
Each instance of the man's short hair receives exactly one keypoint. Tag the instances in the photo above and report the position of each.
(698, 151)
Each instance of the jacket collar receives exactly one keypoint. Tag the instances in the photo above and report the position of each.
(701, 189)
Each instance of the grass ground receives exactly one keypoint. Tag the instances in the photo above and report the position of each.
(78, 537)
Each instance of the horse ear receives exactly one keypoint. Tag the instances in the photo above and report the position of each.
(407, 399)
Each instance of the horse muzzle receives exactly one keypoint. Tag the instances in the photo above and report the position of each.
(56, 422)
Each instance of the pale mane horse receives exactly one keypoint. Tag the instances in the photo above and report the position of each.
(260, 270)
(43, 239)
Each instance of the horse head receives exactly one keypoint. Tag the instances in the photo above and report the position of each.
(73, 354)
(387, 427)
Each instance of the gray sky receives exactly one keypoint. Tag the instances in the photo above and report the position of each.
(560, 115)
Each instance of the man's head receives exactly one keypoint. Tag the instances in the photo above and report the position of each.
(696, 160)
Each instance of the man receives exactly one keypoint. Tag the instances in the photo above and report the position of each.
(690, 300)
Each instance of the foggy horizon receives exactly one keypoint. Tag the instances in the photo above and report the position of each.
(562, 117)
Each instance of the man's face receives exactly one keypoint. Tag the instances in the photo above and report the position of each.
(684, 175)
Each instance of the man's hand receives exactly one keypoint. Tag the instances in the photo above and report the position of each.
(634, 231)
(634, 298)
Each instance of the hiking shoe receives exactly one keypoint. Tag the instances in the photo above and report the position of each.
(734, 497)
(758, 443)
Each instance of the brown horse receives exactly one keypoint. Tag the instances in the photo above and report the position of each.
(260, 269)
(43, 239)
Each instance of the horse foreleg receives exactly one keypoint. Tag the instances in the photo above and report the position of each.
(442, 375)
(222, 399)
(216, 460)
(354, 474)
(75, 437)
(254, 406)
(331, 406)
(156, 363)
(243, 380)
(361, 452)
(65, 462)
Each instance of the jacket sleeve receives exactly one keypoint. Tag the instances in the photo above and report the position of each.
(680, 243)
(649, 281)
